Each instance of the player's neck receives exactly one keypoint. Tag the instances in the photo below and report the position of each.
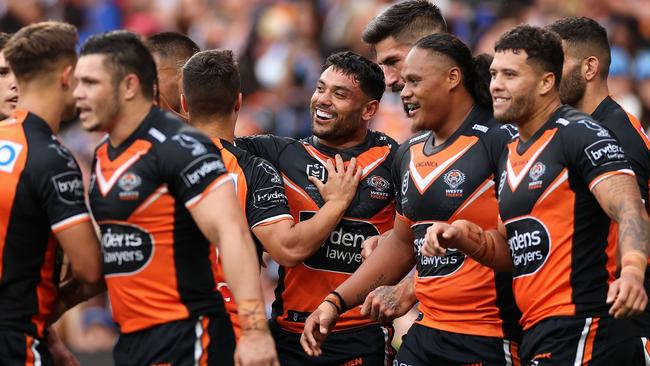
(129, 118)
(594, 95)
(539, 117)
(457, 115)
(348, 142)
(216, 127)
(44, 102)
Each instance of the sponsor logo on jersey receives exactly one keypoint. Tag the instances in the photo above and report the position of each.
(604, 152)
(600, 131)
(317, 171)
(9, 152)
(128, 182)
(126, 249)
(530, 245)
(69, 187)
(341, 251)
(191, 143)
(201, 168)
(418, 138)
(270, 170)
(269, 197)
(536, 171)
(435, 266)
(454, 178)
(480, 128)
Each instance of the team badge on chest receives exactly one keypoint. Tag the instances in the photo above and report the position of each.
(454, 178)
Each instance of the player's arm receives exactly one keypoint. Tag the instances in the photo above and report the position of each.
(291, 243)
(227, 227)
(488, 247)
(79, 243)
(390, 262)
(619, 196)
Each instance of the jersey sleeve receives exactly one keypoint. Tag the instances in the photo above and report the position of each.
(191, 166)
(266, 201)
(59, 186)
(267, 147)
(594, 152)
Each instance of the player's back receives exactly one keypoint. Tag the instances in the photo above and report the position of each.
(42, 193)
(156, 260)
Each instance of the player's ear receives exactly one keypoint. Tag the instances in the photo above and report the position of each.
(547, 83)
(131, 86)
(67, 76)
(454, 78)
(590, 67)
(369, 110)
(184, 104)
(238, 102)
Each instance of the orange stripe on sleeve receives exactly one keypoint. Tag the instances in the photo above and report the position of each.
(514, 351)
(225, 178)
(273, 220)
(604, 176)
(70, 222)
(29, 355)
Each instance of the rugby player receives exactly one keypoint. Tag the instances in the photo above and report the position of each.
(160, 195)
(8, 86)
(212, 99)
(584, 86)
(346, 98)
(171, 50)
(43, 199)
(391, 35)
(562, 180)
(445, 173)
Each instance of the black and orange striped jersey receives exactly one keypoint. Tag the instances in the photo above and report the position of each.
(42, 194)
(635, 143)
(157, 263)
(261, 194)
(453, 181)
(557, 232)
(302, 288)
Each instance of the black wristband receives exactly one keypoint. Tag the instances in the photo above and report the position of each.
(338, 309)
(344, 306)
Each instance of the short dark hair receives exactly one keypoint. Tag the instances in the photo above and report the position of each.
(4, 37)
(366, 72)
(125, 54)
(176, 46)
(587, 38)
(475, 70)
(406, 21)
(211, 83)
(38, 48)
(542, 46)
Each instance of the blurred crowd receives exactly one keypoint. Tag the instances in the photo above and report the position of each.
(280, 46)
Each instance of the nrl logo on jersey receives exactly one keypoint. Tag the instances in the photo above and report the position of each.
(502, 182)
(63, 153)
(128, 182)
(600, 131)
(270, 170)
(191, 143)
(317, 171)
(537, 170)
(454, 178)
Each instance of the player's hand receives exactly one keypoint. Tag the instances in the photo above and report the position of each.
(386, 303)
(60, 353)
(256, 348)
(342, 182)
(369, 245)
(627, 295)
(438, 238)
(317, 327)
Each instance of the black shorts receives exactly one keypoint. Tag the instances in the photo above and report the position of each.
(207, 340)
(571, 341)
(422, 346)
(17, 348)
(366, 346)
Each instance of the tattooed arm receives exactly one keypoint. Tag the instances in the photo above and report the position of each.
(391, 261)
(619, 196)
